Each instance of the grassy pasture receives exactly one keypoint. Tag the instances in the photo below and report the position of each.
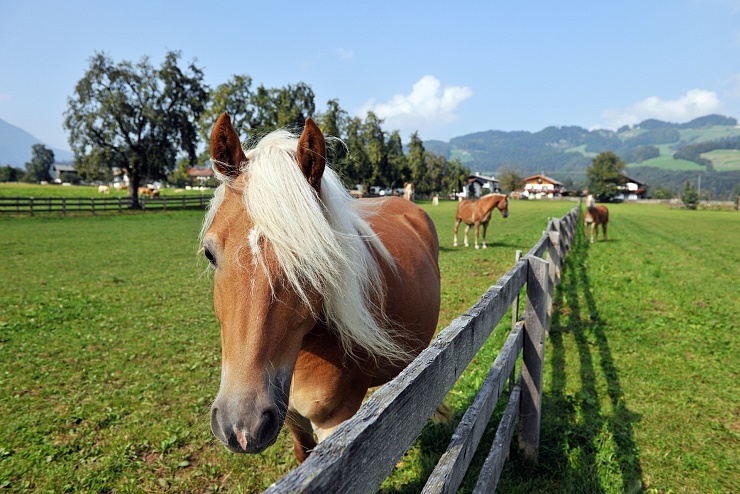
(668, 163)
(724, 159)
(35, 190)
(109, 356)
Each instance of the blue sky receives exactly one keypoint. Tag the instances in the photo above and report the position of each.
(440, 69)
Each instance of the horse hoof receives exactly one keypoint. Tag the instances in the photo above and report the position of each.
(476, 247)
(485, 246)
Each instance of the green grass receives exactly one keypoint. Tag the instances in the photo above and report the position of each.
(668, 163)
(36, 190)
(110, 357)
(724, 159)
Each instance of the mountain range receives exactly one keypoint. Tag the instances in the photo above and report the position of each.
(16, 147)
(661, 154)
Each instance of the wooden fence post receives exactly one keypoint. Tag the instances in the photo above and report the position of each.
(64, 206)
(92, 205)
(535, 321)
(514, 320)
(30, 202)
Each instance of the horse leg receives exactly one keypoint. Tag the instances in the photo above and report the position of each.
(457, 224)
(467, 228)
(477, 226)
(594, 232)
(302, 432)
(603, 228)
(485, 229)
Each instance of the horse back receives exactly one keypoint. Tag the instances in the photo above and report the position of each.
(597, 214)
(413, 286)
(471, 212)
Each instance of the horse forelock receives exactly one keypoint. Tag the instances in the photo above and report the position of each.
(322, 245)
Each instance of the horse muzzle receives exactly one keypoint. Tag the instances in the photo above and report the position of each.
(249, 424)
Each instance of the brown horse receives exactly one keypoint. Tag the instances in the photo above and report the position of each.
(478, 213)
(593, 217)
(320, 296)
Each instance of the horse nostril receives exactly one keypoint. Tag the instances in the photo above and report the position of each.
(270, 425)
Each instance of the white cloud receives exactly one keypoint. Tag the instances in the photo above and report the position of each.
(427, 106)
(695, 103)
(345, 54)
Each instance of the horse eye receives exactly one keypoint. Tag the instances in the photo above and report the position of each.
(209, 256)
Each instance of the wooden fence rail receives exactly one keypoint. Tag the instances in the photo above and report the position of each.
(362, 452)
(64, 205)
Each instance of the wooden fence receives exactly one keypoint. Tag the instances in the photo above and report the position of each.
(362, 452)
(93, 205)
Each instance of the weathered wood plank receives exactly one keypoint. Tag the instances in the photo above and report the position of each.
(535, 323)
(391, 419)
(450, 470)
(494, 464)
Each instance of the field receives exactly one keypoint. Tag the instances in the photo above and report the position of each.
(724, 159)
(668, 163)
(109, 356)
(35, 190)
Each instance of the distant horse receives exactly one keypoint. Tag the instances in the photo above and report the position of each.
(593, 217)
(147, 191)
(103, 189)
(320, 296)
(408, 191)
(478, 212)
(435, 200)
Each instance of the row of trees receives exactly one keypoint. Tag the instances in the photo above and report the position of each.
(37, 170)
(152, 121)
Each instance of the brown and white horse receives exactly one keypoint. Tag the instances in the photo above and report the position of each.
(593, 217)
(477, 213)
(320, 296)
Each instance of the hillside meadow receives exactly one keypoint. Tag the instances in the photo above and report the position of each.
(110, 356)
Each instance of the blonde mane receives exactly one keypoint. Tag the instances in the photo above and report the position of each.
(325, 245)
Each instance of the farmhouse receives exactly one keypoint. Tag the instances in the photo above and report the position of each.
(478, 185)
(59, 169)
(540, 185)
(632, 190)
(200, 174)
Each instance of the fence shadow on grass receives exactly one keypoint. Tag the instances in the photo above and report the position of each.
(585, 447)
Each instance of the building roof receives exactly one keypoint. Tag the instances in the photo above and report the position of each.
(630, 179)
(544, 178)
(61, 168)
(200, 172)
(481, 178)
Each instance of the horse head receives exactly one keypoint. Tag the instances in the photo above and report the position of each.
(503, 206)
(263, 313)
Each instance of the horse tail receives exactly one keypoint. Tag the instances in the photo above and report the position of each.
(443, 414)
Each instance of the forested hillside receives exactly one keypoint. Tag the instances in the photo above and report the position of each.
(663, 154)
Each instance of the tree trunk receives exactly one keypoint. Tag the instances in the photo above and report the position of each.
(133, 191)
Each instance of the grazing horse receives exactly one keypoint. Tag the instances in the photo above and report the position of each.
(593, 217)
(478, 213)
(103, 189)
(320, 296)
(408, 191)
(147, 191)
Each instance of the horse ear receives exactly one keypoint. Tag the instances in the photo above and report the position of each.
(226, 150)
(311, 154)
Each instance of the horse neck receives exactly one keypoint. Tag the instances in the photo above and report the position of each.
(492, 201)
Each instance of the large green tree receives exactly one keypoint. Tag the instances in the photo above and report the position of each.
(38, 169)
(417, 163)
(510, 179)
(135, 116)
(233, 97)
(286, 107)
(333, 123)
(605, 175)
